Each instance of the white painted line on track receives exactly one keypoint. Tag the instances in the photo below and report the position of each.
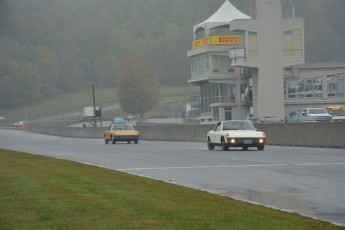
(229, 166)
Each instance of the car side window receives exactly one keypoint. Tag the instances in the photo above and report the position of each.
(218, 127)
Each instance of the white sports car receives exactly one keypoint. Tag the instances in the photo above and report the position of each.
(235, 133)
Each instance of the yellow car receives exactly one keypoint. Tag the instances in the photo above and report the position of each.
(121, 132)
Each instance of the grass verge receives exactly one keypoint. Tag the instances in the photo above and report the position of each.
(45, 193)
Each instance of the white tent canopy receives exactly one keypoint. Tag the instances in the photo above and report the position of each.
(223, 16)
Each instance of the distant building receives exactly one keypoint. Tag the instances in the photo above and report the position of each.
(254, 65)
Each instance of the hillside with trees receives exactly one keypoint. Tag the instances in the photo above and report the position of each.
(52, 47)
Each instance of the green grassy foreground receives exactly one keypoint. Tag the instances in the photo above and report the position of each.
(45, 193)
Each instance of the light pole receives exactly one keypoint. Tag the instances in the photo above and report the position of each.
(94, 106)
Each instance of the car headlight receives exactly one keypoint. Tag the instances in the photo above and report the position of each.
(262, 139)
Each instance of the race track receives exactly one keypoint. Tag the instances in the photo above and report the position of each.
(308, 181)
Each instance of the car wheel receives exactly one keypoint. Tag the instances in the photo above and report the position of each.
(261, 147)
(225, 147)
(106, 140)
(128, 142)
(210, 146)
(136, 141)
(244, 148)
(114, 141)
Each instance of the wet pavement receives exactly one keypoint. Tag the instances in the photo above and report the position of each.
(308, 181)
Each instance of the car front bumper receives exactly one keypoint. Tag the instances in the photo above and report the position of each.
(245, 142)
(126, 138)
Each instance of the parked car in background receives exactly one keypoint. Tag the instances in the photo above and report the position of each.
(22, 124)
(121, 132)
(265, 119)
(338, 115)
(303, 119)
(235, 133)
(320, 114)
(270, 119)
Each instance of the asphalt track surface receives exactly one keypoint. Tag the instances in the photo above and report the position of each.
(308, 181)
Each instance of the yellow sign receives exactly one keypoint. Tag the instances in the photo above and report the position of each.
(217, 40)
(201, 42)
(333, 107)
(226, 40)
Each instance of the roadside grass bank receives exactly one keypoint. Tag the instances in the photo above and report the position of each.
(39, 192)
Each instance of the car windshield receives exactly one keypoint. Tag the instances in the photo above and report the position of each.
(237, 125)
(317, 111)
(122, 127)
(118, 120)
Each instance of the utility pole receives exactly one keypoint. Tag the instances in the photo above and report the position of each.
(94, 106)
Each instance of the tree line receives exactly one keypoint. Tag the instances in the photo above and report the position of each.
(51, 47)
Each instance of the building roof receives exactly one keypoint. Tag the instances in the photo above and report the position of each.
(223, 16)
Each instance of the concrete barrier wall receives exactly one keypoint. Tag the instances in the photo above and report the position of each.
(328, 135)
(77, 132)
(174, 132)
